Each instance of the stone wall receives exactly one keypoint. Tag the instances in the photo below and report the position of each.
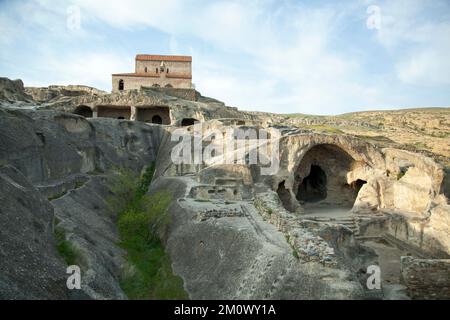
(308, 246)
(426, 278)
(175, 67)
(136, 81)
(114, 112)
(147, 114)
(186, 94)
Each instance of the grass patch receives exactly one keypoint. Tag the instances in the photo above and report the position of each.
(323, 128)
(202, 200)
(378, 138)
(79, 184)
(57, 196)
(419, 145)
(400, 175)
(142, 220)
(66, 249)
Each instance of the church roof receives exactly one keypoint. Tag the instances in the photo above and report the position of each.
(153, 57)
(154, 75)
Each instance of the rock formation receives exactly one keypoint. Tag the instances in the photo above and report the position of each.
(335, 203)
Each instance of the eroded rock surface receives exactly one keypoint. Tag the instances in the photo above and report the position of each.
(336, 204)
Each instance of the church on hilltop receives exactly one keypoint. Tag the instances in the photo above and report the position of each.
(156, 71)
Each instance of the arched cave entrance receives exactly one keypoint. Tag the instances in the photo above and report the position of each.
(156, 119)
(153, 114)
(84, 111)
(321, 178)
(188, 122)
(114, 111)
(313, 187)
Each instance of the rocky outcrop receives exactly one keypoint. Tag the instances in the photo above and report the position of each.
(55, 167)
(68, 98)
(30, 267)
(12, 92)
(240, 256)
(426, 279)
(235, 233)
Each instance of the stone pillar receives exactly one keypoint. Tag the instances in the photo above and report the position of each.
(133, 113)
(94, 112)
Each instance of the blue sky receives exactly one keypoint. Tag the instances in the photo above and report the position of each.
(316, 57)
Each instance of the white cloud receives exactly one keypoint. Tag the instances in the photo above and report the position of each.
(420, 45)
(92, 69)
(287, 60)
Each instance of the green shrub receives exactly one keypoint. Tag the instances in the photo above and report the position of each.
(66, 249)
(400, 174)
(57, 196)
(142, 221)
(146, 179)
(124, 188)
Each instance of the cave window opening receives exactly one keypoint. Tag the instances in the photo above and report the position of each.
(313, 187)
(188, 122)
(84, 111)
(156, 119)
(357, 185)
(121, 85)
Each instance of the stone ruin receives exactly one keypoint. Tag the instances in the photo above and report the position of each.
(340, 202)
(334, 207)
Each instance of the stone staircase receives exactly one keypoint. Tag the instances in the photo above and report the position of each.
(346, 221)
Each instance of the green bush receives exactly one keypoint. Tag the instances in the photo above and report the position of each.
(57, 196)
(142, 221)
(66, 249)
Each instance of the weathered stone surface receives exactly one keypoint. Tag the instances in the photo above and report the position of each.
(234, 233)
(90, 226)
(61, 155)
(30, 267)
(425, 278)
(243, 257)
(13, 92)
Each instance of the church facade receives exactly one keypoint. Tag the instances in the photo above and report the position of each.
(158, 71)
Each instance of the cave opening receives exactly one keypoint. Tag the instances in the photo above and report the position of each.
(357, 185)
(188, 122)
(156, 119)
(313, 187)
(84, 111)
(321, 179)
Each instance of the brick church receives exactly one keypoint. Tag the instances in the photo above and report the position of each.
(156, 71)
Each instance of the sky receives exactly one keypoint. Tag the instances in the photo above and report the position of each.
(314, 57)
